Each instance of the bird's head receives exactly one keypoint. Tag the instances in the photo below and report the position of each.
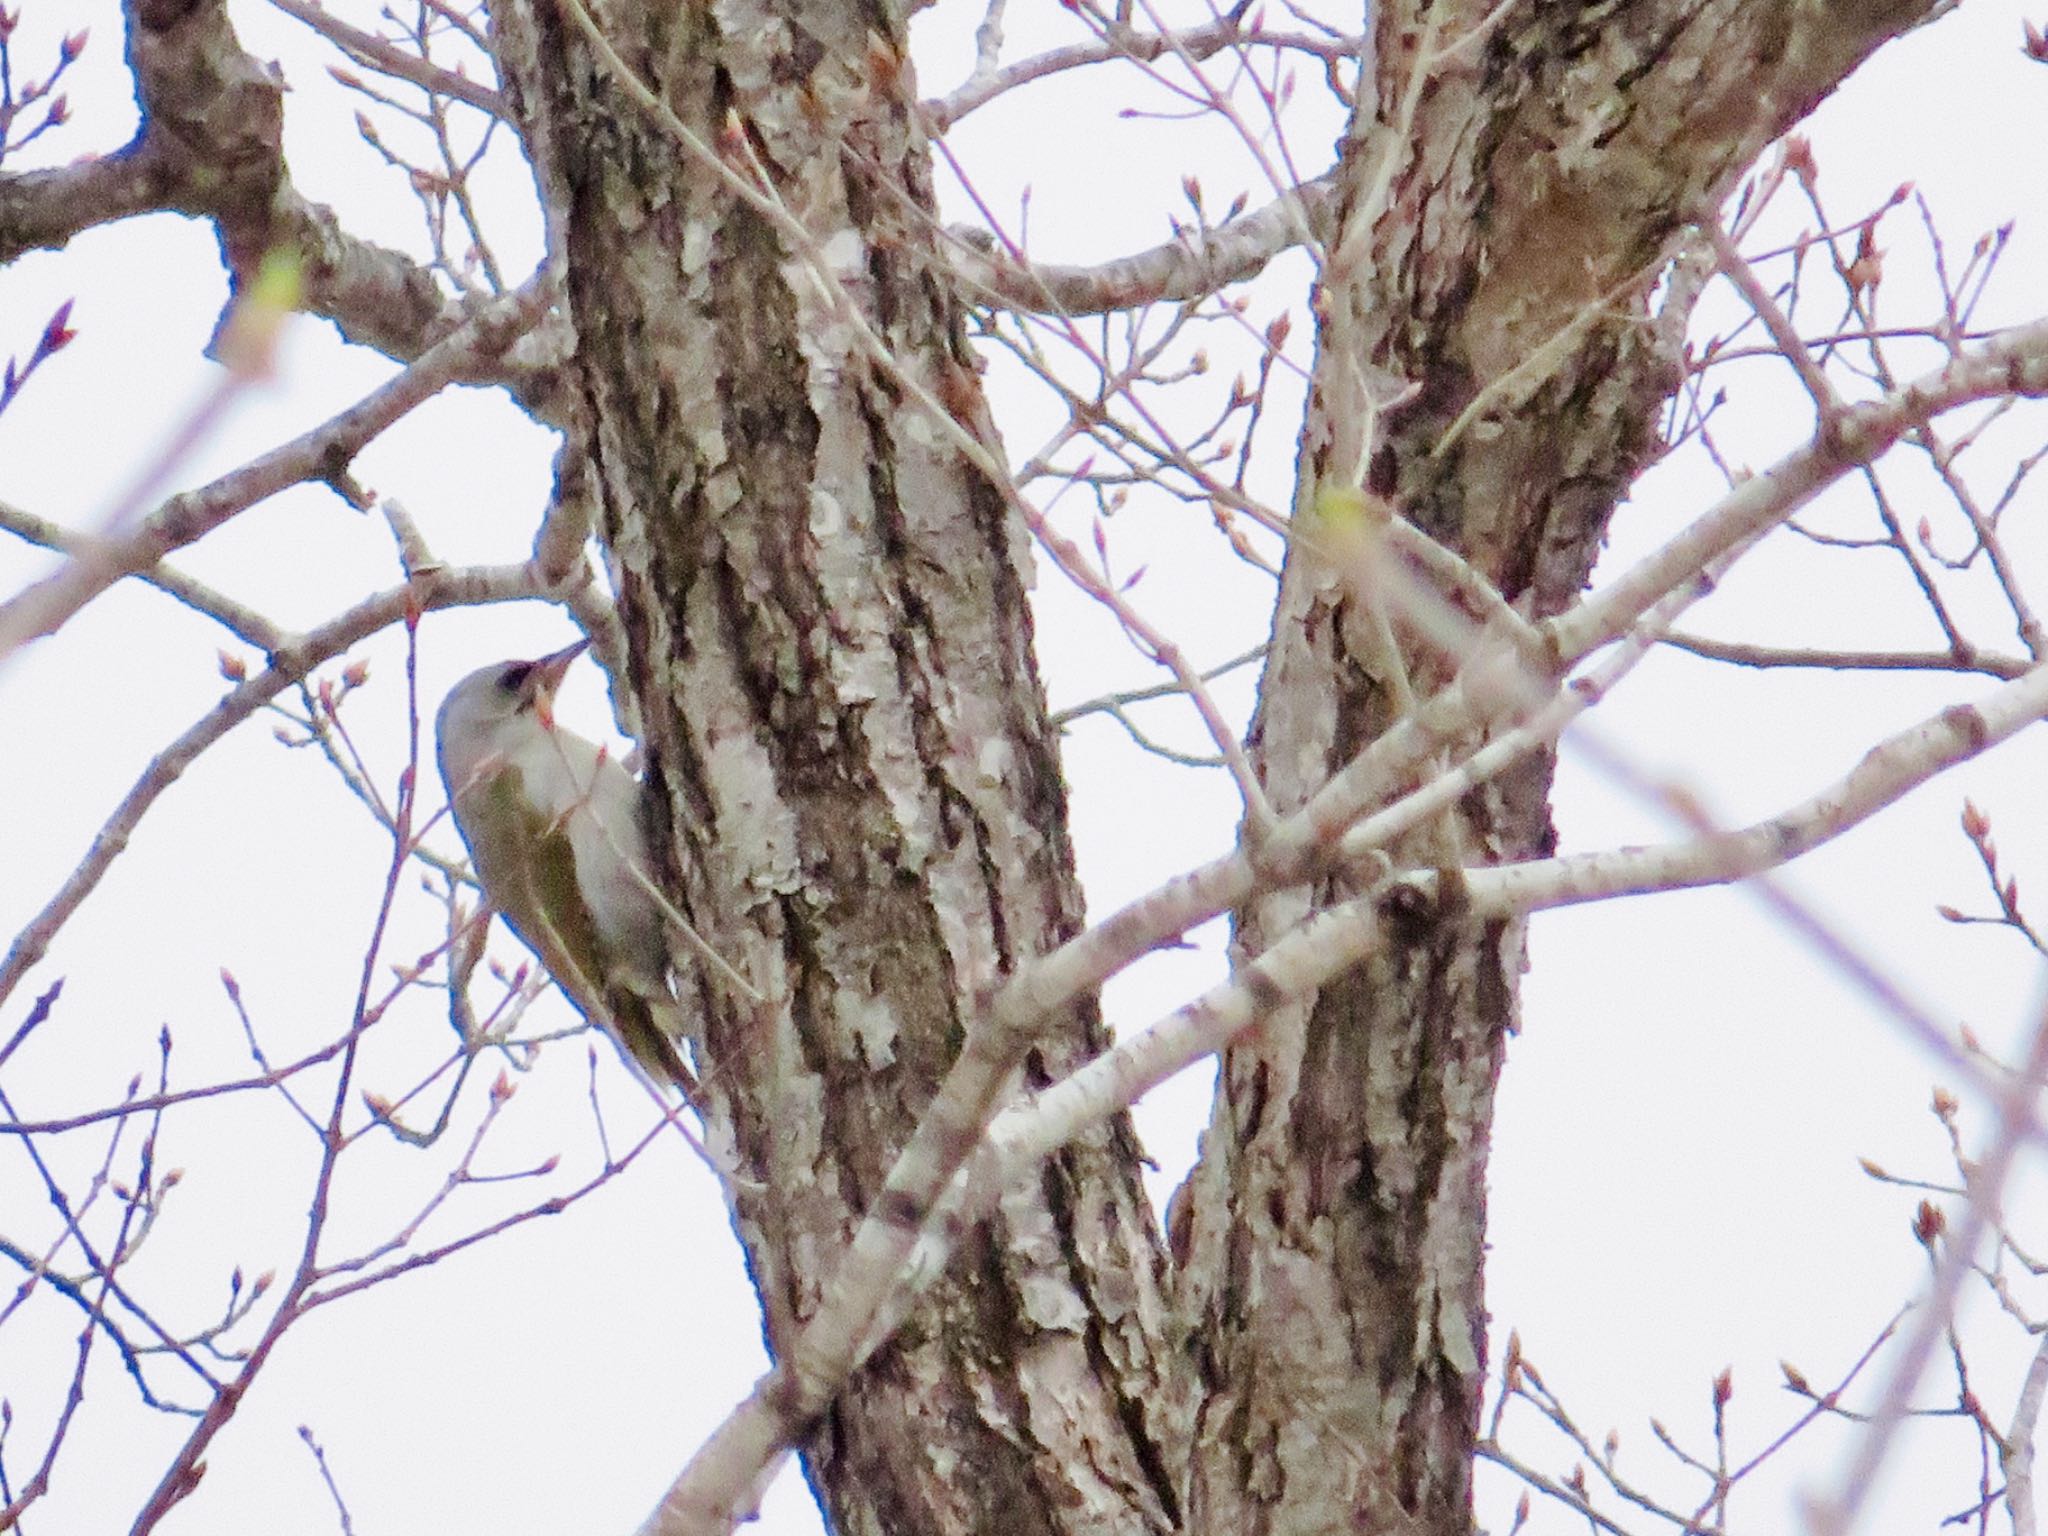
(487, 708)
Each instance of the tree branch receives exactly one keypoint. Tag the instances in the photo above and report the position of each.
(990, 80)
(243, 622)
(321, 453)
(389, 59)
(1183, 269)
(1331, 942)
(42, 210)
(1737, 653)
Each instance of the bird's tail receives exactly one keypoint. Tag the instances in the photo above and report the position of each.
(648, 1029)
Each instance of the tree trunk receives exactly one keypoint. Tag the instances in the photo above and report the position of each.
(830, 647)
(1335, 1249)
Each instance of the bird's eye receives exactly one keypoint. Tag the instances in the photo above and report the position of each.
(513, 678)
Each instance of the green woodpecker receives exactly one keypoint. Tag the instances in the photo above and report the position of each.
(553, 828)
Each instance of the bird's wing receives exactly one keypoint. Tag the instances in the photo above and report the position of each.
(529, 870)
(542, 901)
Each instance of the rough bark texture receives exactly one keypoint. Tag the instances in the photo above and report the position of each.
(1336, 1238)
(832, 653)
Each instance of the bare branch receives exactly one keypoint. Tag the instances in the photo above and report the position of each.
(2012, 362)
(1785, 338)
(1989, 1172)
(42, 210)
(746, 1447)
(322, 453)
(243, 622)
(390, 59)
(1179, 270)
(1738, 653)
(2016, 1454)
(991, 80)
(1114, 703)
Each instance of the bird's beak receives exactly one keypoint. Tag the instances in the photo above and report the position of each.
(546, 677)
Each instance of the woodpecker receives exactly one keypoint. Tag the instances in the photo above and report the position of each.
(554, 832)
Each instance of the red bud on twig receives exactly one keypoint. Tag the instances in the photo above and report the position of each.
(1928, 1224)
(58, 334)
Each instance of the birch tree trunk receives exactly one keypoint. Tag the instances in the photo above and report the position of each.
(831, 653)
